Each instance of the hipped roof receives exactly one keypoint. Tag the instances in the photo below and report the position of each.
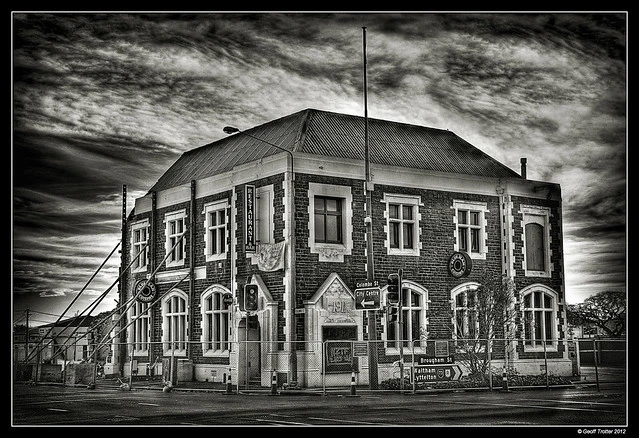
(336, 135)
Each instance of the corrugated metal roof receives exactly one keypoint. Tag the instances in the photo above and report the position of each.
(341, 136)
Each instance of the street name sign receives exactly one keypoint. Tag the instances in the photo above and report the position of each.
(367, 298)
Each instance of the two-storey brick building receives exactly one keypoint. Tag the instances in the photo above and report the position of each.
(283, 206)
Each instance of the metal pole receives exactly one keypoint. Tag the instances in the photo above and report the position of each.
(131, 367)
(246, 361)
(545, 362)
(400, 319)
(26, 340)
(370, 267)
(323, 367)
(171, 368)
(594, 352)
(490, 371)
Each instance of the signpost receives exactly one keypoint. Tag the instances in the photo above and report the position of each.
(367, 296)
(437, 373)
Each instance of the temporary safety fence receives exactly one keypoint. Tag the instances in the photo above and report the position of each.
(340, 365)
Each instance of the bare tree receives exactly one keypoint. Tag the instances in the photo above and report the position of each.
(605, 310)
(488, 316)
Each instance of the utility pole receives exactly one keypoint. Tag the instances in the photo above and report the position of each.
(370, 269)
(400, 336)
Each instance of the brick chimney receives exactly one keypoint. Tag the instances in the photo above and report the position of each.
(523, 168)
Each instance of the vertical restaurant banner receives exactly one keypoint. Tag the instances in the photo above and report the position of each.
(249, 218)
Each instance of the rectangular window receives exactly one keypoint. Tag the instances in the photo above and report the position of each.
(264, 214)
(470, 228)
(174, 234)
(401, 226)
(468, 231)
(176, 228)
(215, 226)
(328, 220)
(217, 231)
(139, 245)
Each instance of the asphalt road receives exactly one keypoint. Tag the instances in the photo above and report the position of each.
(584, 408)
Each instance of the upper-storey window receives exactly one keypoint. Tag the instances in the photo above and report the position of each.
(402, 224)
(470, 227)
(216, 235)
(139, 245)
(330, 221)
(264, 214)
(536, 241)
(175, 227)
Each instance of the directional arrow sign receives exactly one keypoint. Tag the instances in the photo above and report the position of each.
(437, 373)
(367, 298)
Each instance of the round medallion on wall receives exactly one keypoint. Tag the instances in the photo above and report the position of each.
(145, 291)
(459, 264)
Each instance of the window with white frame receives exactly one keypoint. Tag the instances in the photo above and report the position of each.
(402, 224)
(465, 317)
(139, 329)
(175, 244)
(539, 307)
(264, 214)
(215, 238)
(536, 240)
(174, 323)
(215, 321)
(330, 221)
(470, 228)
(414, 330)
(139, 245)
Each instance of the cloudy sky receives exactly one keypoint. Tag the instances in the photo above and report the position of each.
(105, 100)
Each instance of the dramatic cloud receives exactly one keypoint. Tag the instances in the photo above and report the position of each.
(106, 100)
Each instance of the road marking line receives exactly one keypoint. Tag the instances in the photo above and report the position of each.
(577, 402)
(509, 405)
(342, 421)
(126, 418)
(58, 410)
(282, 422)
(148, 404)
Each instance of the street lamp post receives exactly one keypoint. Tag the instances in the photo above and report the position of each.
(290, 305)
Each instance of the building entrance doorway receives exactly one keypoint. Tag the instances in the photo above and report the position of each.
(249, 350)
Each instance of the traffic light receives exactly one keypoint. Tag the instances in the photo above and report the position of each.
(392, 292)
(393, 311)
(250, 297)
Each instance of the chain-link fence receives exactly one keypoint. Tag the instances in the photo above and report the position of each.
(340, 365)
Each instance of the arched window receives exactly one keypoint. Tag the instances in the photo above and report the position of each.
(465, 320)
(539, 311)
(414, 327)
(536, 239)
(215, 321)
(174, 323)
(139, 329)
